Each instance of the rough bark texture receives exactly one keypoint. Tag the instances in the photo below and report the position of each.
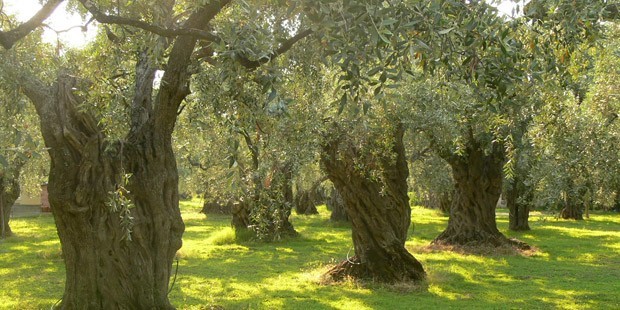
(517, 202)
(379, 212)
(478, 186)
(9, 192)
(336, 204)
(104, 269)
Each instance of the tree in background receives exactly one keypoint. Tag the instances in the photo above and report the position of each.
(21, 152)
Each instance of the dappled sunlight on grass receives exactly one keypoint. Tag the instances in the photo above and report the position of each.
(574, 267)
(437, 290)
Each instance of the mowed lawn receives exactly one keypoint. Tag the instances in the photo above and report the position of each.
(577, 266)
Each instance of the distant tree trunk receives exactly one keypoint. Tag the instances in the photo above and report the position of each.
(305, 203)
(267, 212)
(616, 206)
(9, 192)
(241, 211)
(571, 211)
(336, 204)
(241, 215)
(285, 185)
(306, 200)
(518, 205)
(572, 206)
(379, 212)
(217, 207)
(478, 186)
(440, 200)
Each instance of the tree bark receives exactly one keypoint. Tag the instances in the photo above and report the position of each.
(117, 258)
(111, 262)
(517, 202)
(478, 186)
(379, 211)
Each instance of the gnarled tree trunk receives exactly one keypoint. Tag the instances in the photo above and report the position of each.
(105, 269)
(378, 209)
(478, 186)
(111, 262)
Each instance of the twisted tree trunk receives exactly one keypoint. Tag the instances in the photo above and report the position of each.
(111, 261)
(379, 212)
(478, 186)
(118, 239)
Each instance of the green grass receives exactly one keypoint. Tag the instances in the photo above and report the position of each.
(577, 266)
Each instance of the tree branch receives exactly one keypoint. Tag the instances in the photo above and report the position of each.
(162, 31)
(9, 38)
(175, 81)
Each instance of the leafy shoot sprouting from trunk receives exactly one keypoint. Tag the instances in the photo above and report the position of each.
(119, 201)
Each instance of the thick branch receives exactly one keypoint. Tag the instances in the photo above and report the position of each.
(9, 38)
(162, 31)
(175, 82)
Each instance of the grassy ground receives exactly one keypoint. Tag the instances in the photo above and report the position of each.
(577, 267)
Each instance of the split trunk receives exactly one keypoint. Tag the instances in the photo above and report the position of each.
(115, 257)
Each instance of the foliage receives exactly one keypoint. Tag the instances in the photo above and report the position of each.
(285, 275)
(22, 152)
(119, 201)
